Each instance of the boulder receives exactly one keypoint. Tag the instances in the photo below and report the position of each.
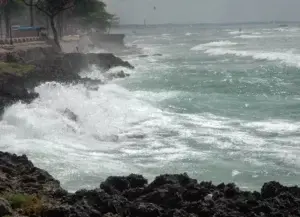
(71, 115)
(181, 179)
(271, 189)
(114, 184)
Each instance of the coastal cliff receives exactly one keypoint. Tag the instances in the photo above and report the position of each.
(22, 70)
(26, 190)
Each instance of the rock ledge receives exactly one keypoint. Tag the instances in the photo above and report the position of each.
(168, 195)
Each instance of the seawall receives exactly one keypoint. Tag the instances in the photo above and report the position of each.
(117, 39)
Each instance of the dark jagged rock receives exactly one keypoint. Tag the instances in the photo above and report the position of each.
(12, 91)
(18, 174)
(181, 179)
(154, 55)
(56, 211)
(111, 215)
(119, 74)
(71, 115)
(143, 55)
(271, 189)
(169, 197)
(107, 60)
(131, 196)
(118, 184)
(134, 193)
(137, 181)
(5, 208)
(144, 209)
(79, 61)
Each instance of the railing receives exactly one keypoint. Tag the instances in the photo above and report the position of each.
(19, 40)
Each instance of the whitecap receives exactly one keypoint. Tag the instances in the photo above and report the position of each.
(287, 58)
(213, 44)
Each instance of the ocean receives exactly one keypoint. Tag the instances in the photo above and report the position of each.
(218, 103)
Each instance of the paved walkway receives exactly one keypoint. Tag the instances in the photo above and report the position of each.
(22, 46)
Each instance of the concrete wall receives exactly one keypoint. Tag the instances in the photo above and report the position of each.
(28, 33)
(98, 37)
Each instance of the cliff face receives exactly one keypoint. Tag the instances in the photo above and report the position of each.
(26, 190)
(24, 69)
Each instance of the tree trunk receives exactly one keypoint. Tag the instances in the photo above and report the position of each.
(1, 32)
(7, 21)
(59, 22)
(62, 25)
(58, 26)
(54, 31)
(47, 24)
(31, 13)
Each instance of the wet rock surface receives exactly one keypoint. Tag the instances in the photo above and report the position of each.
(146, 55)
(175, 195)
(118, 74)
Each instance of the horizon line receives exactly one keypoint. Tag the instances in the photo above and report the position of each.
(216, 23)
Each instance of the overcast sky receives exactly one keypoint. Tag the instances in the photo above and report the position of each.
(204, 11)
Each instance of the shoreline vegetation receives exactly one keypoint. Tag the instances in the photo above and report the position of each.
(26, 190)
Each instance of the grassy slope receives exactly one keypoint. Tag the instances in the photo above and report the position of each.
(15, 68)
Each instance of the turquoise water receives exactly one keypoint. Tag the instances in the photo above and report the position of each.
(219, 104)
(240, 90)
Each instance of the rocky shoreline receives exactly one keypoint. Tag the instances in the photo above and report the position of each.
(21, 72)
(26, 190)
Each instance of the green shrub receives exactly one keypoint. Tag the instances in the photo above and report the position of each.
(15, 68)
(17, 200)
(27, 204)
